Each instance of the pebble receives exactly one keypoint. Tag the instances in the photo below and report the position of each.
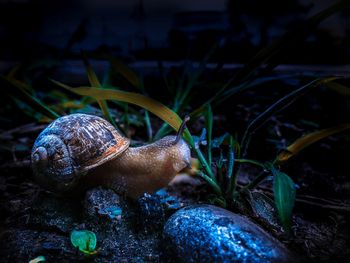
(206, 233)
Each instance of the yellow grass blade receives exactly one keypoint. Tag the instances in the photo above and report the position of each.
(341, 89)
(307, 140)
(96, 83)
(153, 106)
(125, 71)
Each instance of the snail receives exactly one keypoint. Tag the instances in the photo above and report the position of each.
(81, 150)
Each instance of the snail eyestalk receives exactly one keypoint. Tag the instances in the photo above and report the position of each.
(181, 129)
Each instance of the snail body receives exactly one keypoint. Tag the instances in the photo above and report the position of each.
(81, 150)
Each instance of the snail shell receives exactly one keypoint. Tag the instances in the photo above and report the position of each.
(71, 146)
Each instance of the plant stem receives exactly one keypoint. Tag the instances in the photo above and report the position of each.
(210, 178)
(204, 163)
(251, 162)
(232, 177)
(149, 126)
(261, 176)
(211, 182)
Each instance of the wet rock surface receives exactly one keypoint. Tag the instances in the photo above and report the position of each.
(205, 233)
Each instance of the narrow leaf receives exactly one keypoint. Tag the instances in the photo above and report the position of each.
(284, 195)
(183, 96)
(140, 100)
(230, 166)
(276, 107)
(91, 74)
(96, 83)
(341, 89)
(21, 93)
(125, 71)
(307, 140)
(231, 157)
(149, 126)
(209, 128)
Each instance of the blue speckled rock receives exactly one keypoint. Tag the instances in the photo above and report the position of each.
(205, 233)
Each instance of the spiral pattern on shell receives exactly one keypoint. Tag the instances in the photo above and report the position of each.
(72, 145)
(52, 164)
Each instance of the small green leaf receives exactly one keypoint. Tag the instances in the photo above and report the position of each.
(284, 195)
(37, 259)
(85, 240)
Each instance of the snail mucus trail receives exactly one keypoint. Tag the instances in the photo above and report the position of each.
(64, 158)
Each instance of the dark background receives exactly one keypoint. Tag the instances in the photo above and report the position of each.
(169, 30)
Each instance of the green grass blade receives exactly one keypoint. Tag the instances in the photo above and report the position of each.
(96, 83)
(307, 140)
(193, 77)
(149, 126)
(183, 91)
(284, 195)
(277, 106)
(211, 182)
(21, 93)
(230, 166)
(209, 128)
(227, 91)
(146, 115)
